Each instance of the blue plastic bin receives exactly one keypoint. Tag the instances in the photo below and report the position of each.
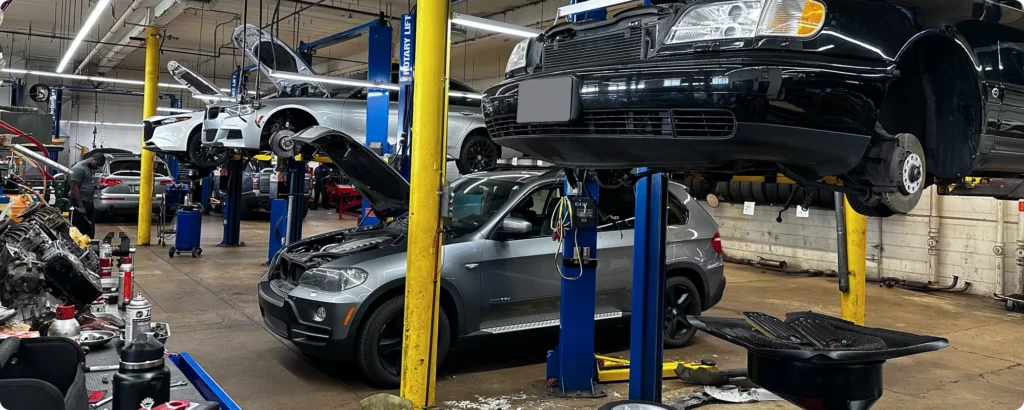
(190, 228)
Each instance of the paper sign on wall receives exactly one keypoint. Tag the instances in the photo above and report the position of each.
(802, 212)
(748, 208)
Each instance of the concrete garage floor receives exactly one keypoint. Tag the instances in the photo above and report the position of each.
(211, 305)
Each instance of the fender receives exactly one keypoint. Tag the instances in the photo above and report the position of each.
(446, 285)
(270, 115)
(690, 266)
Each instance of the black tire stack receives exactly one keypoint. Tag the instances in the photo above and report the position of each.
(761, 193)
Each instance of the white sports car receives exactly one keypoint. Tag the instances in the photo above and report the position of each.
(179, 134)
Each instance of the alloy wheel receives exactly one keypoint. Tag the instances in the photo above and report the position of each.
(389, 344)
(482, 154)
(678, 304)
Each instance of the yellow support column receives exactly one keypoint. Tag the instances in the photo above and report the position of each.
(148, 110)
(429, 135)
(852, 302)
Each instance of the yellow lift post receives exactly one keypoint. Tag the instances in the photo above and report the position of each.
(429, 135)
(148, 110)
(852, 301)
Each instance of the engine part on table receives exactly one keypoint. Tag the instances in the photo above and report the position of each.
(42, 266)
(1010, 302)
(143, 379)
(125, 282)
(138, 316)
(734, 394)
(891, 282)
(65, 325)
(104, 368)
(819, 378)
(780, 266)
(95, 338)
(708, 377)
(161, 331)
(122, 248)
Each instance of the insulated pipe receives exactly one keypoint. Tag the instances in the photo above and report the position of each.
(429, 126)
(149, 101)
(933, 237)
(1019, 288)
(41, 159)
(999, 249)
(110, 35)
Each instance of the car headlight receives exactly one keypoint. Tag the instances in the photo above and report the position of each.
(518, 58)
(748, 18)
(172, 120)
(239, 110)
(333, 280)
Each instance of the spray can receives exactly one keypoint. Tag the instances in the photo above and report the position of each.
(137, 317)
(65, 325)
(126, 282)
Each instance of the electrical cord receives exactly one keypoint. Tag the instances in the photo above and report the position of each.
(561, 220)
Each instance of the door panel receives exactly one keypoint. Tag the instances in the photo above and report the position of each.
(354, 123)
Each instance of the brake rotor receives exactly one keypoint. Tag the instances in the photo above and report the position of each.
(910, 175)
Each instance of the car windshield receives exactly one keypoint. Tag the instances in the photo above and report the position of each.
(477, 198)
(132, 167)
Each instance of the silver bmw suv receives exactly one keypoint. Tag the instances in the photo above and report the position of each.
(340, 295)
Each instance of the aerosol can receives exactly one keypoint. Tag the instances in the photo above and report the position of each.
(126, 281)
(106, 257)
(65, 325)
(137, 319)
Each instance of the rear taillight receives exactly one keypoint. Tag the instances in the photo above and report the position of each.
(716, 243)
(256, 183)
(166, 183)
(109, 182)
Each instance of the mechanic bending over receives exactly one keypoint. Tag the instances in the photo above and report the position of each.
(82, 191)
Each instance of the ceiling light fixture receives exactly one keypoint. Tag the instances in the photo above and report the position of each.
(496, 26)
(109, 124)
(86, 78)
(173, 110)
(585, 6)
(89, 22)
(332, 80)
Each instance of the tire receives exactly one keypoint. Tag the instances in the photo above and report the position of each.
(381, 324)
(827, 197)
(735, 192)
(204, 156)
(676, 288)
(771, 189)
(746, 191)
(723, 192)
(758, 191)
(478, 153)
(867, 209)
(785, 190)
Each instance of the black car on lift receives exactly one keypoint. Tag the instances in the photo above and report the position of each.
(889, 95)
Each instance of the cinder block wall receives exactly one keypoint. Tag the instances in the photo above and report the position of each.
(897, 246)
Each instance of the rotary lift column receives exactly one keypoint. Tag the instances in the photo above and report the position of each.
(233, 204)
(571, 367)
(377, 100)
(647, 320)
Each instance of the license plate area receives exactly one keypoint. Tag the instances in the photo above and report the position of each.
(547, 100)
(133, 189)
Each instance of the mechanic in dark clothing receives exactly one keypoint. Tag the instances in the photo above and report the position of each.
(320, 175)
(83, 189)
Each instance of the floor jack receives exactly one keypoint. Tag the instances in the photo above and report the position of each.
(613, 369)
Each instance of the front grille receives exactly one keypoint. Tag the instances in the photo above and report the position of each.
(679, 123)
(585, 49)
(147, 130)
(234, 134)
(276, 325)
(211, 135)
(212, 113)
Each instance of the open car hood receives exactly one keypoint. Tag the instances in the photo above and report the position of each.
(270, 54)
(195, 83)
(385, 190)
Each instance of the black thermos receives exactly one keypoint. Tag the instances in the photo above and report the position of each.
(142, 380)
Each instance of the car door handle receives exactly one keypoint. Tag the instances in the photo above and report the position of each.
(466, 113)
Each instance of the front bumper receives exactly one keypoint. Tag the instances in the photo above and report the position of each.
(727, 111)
(232, 132)
(256, 201)
(292, 318)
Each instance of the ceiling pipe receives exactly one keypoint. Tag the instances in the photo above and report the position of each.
(136, 4)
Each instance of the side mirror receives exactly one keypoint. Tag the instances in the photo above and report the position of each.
(515, 227)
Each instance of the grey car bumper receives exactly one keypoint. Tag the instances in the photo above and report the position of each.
(292, 318)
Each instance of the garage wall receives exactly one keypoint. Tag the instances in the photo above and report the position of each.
(897, 246)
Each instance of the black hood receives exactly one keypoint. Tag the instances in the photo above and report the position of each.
(385, 190)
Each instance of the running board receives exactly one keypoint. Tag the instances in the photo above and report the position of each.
(541, 324)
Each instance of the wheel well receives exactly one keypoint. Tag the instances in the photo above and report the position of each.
(938, 99)
(482, 131)
(447, 303)
(301, 119)
(694, 277)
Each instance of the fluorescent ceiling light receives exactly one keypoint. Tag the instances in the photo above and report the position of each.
(228, 90)
(205, 97)
(101, 6)
(86, 78)
(333, 80)
(585, 6)
(109, 124)
(173, 110)
(474, 96)
(496, 26)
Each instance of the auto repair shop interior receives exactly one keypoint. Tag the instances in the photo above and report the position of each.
(511, 204)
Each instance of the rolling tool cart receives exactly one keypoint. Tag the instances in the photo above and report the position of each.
(189, 228)
(174, 195)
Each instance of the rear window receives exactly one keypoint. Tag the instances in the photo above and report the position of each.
(133, 168)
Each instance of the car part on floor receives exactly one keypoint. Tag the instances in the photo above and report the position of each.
(708, 376)
(824, 373)
(735, 394)
(891, 282)
(780, 266)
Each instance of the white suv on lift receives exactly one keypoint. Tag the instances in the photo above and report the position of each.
(301, 104)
